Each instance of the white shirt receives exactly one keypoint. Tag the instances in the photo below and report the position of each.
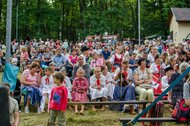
(164, 82)
(93, 80)
(129, 71)
(151, 58)
(46, 86)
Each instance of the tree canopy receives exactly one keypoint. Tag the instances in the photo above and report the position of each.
(75, 19)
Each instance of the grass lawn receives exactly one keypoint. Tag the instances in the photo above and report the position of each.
(90, 118)
(99, 118)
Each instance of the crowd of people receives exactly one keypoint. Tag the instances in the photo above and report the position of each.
(92, 70)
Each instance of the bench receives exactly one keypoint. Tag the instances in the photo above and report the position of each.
(144, 102)
(126, 120)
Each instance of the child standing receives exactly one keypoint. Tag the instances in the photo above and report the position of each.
(80, 88)
(58, 101)
(46, 87)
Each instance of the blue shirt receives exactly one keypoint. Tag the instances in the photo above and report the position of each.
(59, 60)
(105, 54)
(132, 62)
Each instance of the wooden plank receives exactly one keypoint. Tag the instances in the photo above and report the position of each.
(114, 102)
(126, 120)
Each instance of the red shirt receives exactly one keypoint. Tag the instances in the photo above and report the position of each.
(59, 98)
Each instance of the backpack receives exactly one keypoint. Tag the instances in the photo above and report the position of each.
(181, 111)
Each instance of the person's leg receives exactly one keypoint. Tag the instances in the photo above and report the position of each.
(76, 109)
(143, 95)
(27, 105)
(130, 95)
(52, 117)
(43, 101)
(170, 96)
(82, 109)
(69, 106)
(61, 118)
(150, 95)
(103, 106)
(93, 106)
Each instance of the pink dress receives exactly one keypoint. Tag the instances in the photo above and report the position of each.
(79, 90)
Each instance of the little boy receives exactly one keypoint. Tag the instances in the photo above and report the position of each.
(165, 79)
(58, 101)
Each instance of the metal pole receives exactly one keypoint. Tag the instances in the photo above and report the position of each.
(139, 22)
(17, 20)
(8, 30)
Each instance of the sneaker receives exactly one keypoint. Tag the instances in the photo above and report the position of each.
(26, 110)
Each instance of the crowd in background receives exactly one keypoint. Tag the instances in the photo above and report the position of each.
(112, 70)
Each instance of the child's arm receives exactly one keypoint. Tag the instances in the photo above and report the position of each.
(69, 86)
(74, 87)
(50, 100)
(86, 85)
(64, 100)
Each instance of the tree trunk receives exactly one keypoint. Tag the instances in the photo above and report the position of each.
(38, 17)
(136, 22)
(62, 19)
(0, 9)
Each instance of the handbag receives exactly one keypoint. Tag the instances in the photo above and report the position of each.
(181, 111)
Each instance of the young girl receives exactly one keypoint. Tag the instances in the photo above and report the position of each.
(109, 81)
(46, 87)
(80, 87)
(67, 83)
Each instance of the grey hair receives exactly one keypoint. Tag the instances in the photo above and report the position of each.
(183, 66)
(62, 69)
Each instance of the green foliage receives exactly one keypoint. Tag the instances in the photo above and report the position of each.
(76, 19)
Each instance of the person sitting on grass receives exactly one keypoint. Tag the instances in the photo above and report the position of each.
(58, 101)
(80, 88)
(46, 87)
(13, 108)
(97, 87)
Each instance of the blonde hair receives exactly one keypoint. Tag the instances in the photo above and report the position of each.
(23, 49)
(80, 69)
